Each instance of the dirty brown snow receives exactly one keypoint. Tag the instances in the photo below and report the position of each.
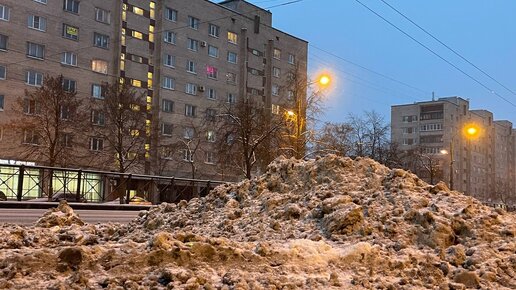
(329, 223)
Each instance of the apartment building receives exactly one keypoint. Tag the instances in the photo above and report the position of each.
(482, 166)
(187, 57)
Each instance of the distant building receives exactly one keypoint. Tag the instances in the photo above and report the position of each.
(186, 56)
(483, 166)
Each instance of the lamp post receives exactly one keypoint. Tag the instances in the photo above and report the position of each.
(298, 114)
(470, 132)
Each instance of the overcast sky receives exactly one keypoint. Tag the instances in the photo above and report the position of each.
(481, 31)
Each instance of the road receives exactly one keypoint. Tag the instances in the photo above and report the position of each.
(29, 216)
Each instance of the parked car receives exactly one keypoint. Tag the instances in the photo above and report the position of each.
(139, 200)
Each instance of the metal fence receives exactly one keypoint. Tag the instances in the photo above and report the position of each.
(41, 183)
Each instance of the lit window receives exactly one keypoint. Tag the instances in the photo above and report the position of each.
(169, 60)
(211, 72)
(169, 37)
(210, 136)
(232, 37)
(136, 83)
(96, 144)
(213, 51)
(190, 66)
(4, 12)
(213, 30)
(232, 57)
(171, 14)
(37, 22)
(70, 32)
(168, 83)
(100, 40)
(276, 72)
(97, 91)
(100, 66)
(191, 89)
(137, 34)
(69, 58)
(35, 50)
(102, 15)
(193, 22)
(291, 58)
(193, 44)
(137, 10)
(71, 6)
(34, 78)
(167, 106)
(275, 109)
(277, 53)
(190, 110)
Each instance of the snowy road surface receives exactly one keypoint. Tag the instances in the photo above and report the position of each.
(29, 216)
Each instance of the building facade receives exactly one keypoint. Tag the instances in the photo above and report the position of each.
(188, 58)
(433, 133)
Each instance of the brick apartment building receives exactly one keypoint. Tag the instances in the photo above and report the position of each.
(483, 166)
(186, 56)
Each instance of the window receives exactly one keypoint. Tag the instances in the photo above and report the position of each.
(100, 40)
(98, 118)
(210, 136)
(97, 91)
(96, 144)
(3, 42)
(191, 89)
(212, 94)
(70, 32)
(4, 12)
(169, 60)
(171, 14)
(169, 37)
(213, 51)
(190, 110)
(37, 22)
(211, 72)
(167, 106)
(409, 119)
(31, 136)
(30, 107)
(1, 102)
(408, 141)
(168, 83)
(291, 58)
(232, 57)
(136, 83)
(69, 85)
(166, 129)
(35, 50)
(66, 140)
(275, 109)
(432, 127)
(232, 37)
(64, 112)
(275, 90)
(136, 58)
(188, 133)
(41, 1)
(213, 30)
(137, 10)
(209, 157)
(193, 22)
(407, 130)
(231, 98)
(193, 44)
(290, 95)
(100, 66)
(34, 78)
(188, 155)
(230, 138)
(69, 58)
(276, 72)
(102, 15)
(3, 72)
(71, 6)
(277, 53)
(190, 66)
(211, 114)
(231, 78)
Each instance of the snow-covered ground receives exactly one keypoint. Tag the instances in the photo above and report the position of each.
(329, 223)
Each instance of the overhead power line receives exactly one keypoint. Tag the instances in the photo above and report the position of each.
(448, 47)
(438, 55)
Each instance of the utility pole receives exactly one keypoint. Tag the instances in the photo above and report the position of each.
(451, 164)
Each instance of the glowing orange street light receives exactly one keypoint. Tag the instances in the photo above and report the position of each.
(324, 80)
(471, 131)
(291, 113)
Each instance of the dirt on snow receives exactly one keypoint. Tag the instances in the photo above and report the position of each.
(328, 223)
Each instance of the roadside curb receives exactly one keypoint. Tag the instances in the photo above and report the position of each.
(88, 206)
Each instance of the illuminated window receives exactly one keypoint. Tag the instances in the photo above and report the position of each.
(137, 10)
(100, 66)
(70, 32)
(137, 34)
(211, 72)
(232, 37)
(136, 83)
(210, 136)
(275, 109)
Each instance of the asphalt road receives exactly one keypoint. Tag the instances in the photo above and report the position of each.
(29, 216)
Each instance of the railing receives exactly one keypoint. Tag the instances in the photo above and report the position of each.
(42, 183)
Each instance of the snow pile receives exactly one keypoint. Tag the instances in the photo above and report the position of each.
(63, 215)
(329, 223)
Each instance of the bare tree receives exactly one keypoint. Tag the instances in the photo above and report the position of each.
(333, 138)
(424, 165)
(376, 134)
(120, 120)
(48, 119)
(503, 193)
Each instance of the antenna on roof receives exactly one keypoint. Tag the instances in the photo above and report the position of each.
(433, 96)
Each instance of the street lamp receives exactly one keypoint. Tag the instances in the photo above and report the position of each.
(471, 131)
